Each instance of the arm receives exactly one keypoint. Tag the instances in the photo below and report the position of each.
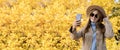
(74, 34)
(108, 29)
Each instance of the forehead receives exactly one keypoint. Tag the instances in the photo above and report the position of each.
(95, 12)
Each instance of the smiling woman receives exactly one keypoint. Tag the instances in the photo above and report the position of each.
(94, 33)
(94, 16)
(44, 24)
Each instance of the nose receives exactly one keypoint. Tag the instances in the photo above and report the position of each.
(93, 17)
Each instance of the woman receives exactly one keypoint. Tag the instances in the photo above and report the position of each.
(95, 32)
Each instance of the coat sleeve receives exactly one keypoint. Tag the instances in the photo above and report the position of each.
(108, 29)
(74, 34)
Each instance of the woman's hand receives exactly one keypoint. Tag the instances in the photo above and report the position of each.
(105, 19)
(76, 23)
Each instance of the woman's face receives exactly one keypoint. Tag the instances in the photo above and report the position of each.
(94, 16)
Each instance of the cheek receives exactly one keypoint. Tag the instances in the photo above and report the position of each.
(96, 19)
(91, 19)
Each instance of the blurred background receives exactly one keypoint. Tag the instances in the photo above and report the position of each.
(44, 24)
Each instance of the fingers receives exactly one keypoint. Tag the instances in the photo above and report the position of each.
(77, 23)
(77, 20)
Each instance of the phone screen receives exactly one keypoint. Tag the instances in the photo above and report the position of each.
(78, 16)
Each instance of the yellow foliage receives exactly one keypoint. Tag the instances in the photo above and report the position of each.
(44, 24)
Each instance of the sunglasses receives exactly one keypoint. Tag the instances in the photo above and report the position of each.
(94, 15)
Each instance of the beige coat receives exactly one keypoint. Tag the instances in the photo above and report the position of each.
(106, 32)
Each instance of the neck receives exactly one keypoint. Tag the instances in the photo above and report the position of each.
(93, 23)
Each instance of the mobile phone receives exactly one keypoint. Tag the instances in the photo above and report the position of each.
(78, 17)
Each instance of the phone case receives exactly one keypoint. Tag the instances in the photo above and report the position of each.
(78, 17)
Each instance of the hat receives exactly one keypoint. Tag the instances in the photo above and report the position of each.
(95, 7)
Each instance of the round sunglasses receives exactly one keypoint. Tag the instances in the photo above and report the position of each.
(94, 15)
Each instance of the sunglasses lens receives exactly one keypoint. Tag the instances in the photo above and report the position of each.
(92, 14)
(96, 16)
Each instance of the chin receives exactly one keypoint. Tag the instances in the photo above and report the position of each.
(93, 21)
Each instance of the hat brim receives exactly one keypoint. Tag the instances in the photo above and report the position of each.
(95, 7)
